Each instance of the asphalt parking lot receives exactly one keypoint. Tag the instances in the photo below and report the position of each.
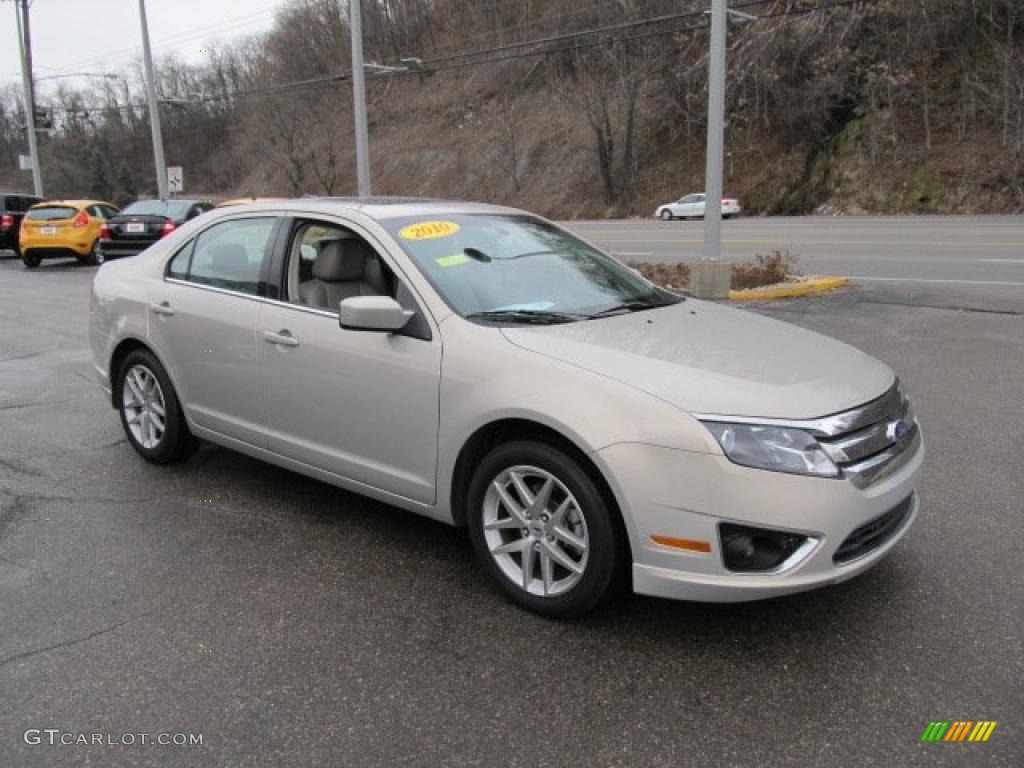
(291, 623)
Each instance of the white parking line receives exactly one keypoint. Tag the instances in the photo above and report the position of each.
(628, 253)
(1004, 261)
(931, 280)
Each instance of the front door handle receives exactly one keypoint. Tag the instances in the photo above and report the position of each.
(163, 308)
(282, 338)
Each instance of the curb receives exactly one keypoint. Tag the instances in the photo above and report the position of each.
(803, 287)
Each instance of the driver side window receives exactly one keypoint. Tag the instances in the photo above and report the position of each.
(328, 263)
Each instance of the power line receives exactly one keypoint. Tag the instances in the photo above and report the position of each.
(550, 45)
(232, 22)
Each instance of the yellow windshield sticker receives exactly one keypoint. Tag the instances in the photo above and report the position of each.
(427, 230)
(451, 261)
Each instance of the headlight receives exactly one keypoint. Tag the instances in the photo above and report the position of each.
(781, 449)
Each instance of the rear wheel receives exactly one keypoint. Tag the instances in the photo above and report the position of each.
(30, 260)
(95, 256)
(543, 530)
(150, 412)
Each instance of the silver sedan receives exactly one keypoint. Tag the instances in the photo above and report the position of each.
(481, 366)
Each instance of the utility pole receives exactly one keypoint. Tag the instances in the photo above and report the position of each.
(25, 47)
(359, 99)
(154, 107)
(716, 132)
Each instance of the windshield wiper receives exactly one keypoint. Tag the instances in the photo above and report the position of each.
(535, 316)
(634, 305)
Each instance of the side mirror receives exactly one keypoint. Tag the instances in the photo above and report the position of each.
(372, 313)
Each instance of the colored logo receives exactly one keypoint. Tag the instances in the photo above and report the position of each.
(427, 230)
(958, 730)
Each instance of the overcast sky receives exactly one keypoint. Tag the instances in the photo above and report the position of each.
(103, 35)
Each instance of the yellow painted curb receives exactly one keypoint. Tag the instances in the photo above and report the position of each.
(802, 287)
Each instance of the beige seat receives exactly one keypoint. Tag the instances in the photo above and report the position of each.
(343, 268)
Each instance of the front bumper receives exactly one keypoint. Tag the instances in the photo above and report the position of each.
(683, 495)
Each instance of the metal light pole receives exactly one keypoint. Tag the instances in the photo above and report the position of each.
(25, 47)
(359, 99)
(716, 132)
(154, 107)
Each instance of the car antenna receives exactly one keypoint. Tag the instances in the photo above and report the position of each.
(477, 255)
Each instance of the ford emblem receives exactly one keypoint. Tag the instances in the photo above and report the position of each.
(897, 429)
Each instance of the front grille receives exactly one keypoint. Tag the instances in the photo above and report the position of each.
(873, 534)
(873, 441)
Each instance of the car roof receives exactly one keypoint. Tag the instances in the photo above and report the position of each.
(188, 200)
(378, 207)
(79, 203)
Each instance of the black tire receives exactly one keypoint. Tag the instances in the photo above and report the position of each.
(666, 215)
(606, 550)
(177, 441)
(30, 260)
(726, 215)
(95, 256)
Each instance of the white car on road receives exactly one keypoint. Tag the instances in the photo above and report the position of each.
(692, 207)
(483, 367)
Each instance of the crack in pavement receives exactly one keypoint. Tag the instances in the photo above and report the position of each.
(20, 469)
(73, 641)
(21, 406)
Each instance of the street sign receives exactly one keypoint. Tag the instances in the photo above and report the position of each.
(175, 178)
(25, 162)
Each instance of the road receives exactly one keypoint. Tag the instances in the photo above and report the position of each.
(978, 260)
(293, 624)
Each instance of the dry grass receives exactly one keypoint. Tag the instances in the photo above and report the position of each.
(666, 275)
(769, 269)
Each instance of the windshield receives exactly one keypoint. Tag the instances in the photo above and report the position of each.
(51, 213)
(511, 267)
(174, 209)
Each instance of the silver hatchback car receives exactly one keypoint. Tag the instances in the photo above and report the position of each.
(484, 367)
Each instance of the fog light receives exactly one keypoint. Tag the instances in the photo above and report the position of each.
(756, 549)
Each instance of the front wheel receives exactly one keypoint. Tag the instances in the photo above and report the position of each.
(150, 412)
(666, 215)
(543, 530)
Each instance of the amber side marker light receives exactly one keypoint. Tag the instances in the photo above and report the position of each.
(690, 544)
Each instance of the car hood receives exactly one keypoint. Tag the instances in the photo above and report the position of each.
(707, 358)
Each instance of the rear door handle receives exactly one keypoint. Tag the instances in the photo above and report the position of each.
(163, 308)
(282, 338)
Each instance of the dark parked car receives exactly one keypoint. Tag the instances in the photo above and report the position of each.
(13, 206)
(144, 222)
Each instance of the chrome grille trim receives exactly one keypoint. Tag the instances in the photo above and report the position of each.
(883, 464)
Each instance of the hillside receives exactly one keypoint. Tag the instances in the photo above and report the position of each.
(836, 107)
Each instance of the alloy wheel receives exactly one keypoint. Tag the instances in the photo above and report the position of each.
(145, 410)
(535, 530)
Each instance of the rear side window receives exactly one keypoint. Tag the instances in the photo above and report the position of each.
(51, 213)
(229, 255)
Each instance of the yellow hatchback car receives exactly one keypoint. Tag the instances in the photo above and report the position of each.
(63, 228)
